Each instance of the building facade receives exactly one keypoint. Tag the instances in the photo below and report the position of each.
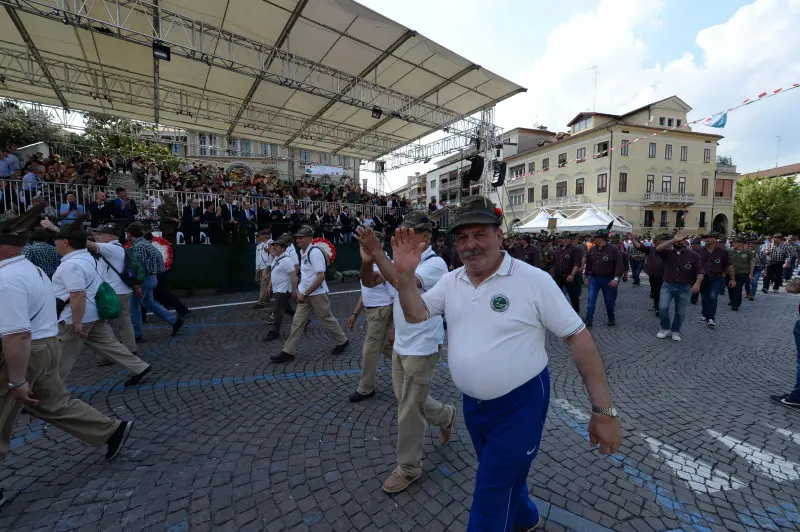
(417, 192)
(658, 183)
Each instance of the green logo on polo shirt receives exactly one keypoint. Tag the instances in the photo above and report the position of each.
(499, 303)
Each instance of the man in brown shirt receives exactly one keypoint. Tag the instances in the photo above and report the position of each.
(567, 263)
(604, 267)
(526, 252)
(683, 275)
(654, 266)
(717, 267)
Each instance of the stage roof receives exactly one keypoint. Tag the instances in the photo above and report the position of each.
(305, 73)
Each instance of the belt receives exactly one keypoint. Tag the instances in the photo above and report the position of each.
(382, 306)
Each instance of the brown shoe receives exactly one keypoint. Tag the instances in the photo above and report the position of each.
(398, 481)
(446, 433)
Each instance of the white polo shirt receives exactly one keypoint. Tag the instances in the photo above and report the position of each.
(281, 271)
(496, 332)
(377, 296)
(28, 302)
(312, 262)
(420, 339)
(263, 258)
(78, 271)
(114, 253)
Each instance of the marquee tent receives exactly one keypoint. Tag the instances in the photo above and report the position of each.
(539, 222)
(593, 219)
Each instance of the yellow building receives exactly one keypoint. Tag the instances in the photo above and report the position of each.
(656, 183)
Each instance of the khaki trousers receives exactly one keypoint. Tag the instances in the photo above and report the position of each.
(411, 380)
(378, 321)
(124, 325)
(263, 284)
(321, 306)
(55, 405)
(101, 339)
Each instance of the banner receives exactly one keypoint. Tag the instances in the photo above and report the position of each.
(316, 169)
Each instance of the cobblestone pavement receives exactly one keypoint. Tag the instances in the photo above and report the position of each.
(226, 440)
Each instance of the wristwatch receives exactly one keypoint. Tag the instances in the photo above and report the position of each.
(616, 278)
(610, 412)
(12, 386)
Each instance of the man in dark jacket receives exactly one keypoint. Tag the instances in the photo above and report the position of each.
(190, 222)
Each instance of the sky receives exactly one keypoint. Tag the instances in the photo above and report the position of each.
(713, 54)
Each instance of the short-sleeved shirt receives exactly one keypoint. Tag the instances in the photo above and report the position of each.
(312, 262)
(496, 332)
(681, 268)
(77, 272)
(716, 262)
(566, 259)
(28, 302)
(529, 255)
(43, 255)
(114, 254)
(281, 271)
(376, 296)
(420, 339)
(741, 261)
(263, 258)
(606, 262)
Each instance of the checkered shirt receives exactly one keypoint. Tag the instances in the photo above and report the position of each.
(149, 256)
(43, 255)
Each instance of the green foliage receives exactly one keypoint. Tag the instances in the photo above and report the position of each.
(767, 205)
(114, 135)
(23, 126)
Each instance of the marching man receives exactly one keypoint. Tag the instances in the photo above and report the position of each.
(498, 309)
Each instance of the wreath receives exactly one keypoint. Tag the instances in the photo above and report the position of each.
(326, 246)
(163, 246)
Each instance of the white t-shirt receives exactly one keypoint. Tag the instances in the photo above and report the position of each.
(496, 332)
(377, 296)
(420, 339)
(312, 262)
(114, 253)
(78, 271)
(28, 302)
(282, 270)
(263, 258)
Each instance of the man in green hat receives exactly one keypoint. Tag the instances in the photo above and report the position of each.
(498, 310)
(566, 270)
(718, 271)
(743, 262)
(283, 278)
(604, 267)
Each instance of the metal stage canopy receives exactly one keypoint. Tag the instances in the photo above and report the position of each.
(326, 75)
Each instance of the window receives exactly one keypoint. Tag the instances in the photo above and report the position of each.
(601, 150)
(678, 122)
(648, 218)
(581, 125)
(545, 164)
(666, 184)
(266, 150)
(651, 183)
(707, 155)
(342, 161)
(651, 150)
(531, 194)
(662, 121)
(516, 198)
(203, 145)
(516, 171)
(562, 160)
(249, 148)
(602, 183)
(237, 147)
(684, 153)
(664, 222)
(580, 155)
(623, 181)
(681, 184)
(561, 189)
(668, 151)
(623, 149)
(579, 186)
(680, 218)
(433, 184)
(545, 194)
(176, 149)
(704, 187)
(531, 168)
(670, 122)
(702, 219)
(305, 156)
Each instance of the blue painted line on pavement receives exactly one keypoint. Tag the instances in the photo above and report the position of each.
(183, 526)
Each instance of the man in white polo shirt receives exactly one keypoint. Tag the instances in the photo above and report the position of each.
(283, 276)
(498, 310)
(263, 261)
(377, 302)
(417, 348)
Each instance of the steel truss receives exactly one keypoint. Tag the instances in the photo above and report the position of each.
(111, 85)
(200, 41)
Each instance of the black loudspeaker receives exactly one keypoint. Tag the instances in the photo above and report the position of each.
(498, 174)
(476, 170)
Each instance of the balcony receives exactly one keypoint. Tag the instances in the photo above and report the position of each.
(719, 200)
(726, 168)
(564, 201)
(667, 198)
(447, 185)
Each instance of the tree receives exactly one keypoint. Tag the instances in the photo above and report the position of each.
(27, 125)
(767, 205)
(114, 135)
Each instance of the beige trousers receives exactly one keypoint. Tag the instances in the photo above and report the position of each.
(124, 325)
(263, 280)
(411, 380)
(55, 405)
(101, 339)
(321, 306)
(378, 321)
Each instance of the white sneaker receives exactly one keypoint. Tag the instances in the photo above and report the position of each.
(663, 333)
(711, 324)
(676, 336)
(702, 319)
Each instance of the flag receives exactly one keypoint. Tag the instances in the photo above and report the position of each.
(717, 120)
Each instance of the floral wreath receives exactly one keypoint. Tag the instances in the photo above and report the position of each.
(163, 246)
(326, 246)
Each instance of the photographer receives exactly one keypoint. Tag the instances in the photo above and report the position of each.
(70, 210)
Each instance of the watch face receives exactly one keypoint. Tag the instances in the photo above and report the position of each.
(614, 411)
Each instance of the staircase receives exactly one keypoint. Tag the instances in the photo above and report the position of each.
(126, 181)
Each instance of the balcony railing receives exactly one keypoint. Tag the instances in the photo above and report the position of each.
(726, 168)
(563, 201)
(651, 198)
(718, 200)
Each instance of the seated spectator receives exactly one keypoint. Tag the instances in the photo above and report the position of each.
(70, 210)
(147, 216)
(102, 211)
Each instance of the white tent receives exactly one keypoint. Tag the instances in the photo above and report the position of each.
(593, 219)
(539, 222)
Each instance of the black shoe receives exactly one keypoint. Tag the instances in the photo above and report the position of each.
(611, 323)
(139, 340)
(177, 326)
(657, 313)
(339, 349)
(735, 309)
(134, 380)
(282, 357)
(518, 528)
(117, 440)
(356, 397)
(104, 362)
(186, 314)
(272, 335)
(258, 306)
(765, 291)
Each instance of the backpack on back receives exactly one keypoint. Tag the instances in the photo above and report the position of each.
(132, 273)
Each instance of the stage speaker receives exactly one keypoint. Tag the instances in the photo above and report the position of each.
(476, 170)
(498, 173)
